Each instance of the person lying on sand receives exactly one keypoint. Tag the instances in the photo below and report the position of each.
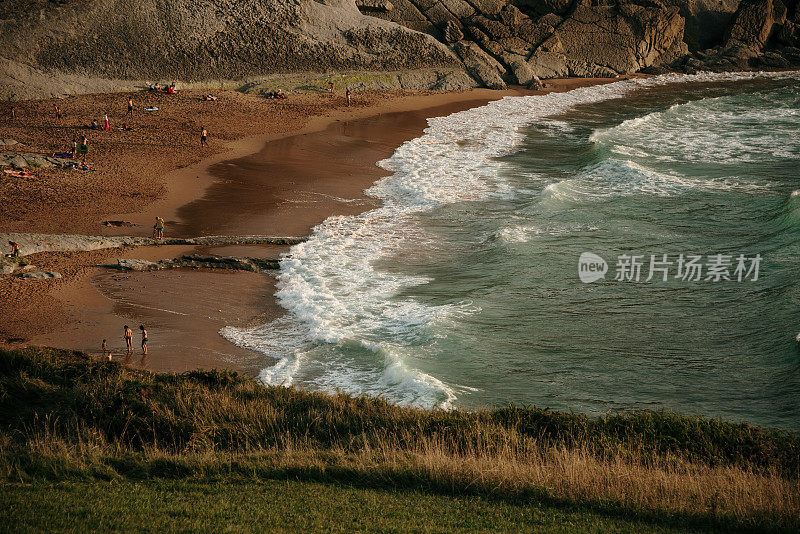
(209, 98)
(94, 125)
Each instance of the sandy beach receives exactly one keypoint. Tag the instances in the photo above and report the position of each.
(274, 167)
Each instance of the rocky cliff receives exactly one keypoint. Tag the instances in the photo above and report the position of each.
(54, 46)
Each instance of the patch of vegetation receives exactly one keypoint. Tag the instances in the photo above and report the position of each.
(64, 417)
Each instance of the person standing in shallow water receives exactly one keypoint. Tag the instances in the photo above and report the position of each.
(203, 136)
(144, 339)
(129, 338)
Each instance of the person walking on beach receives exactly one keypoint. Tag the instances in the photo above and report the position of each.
(106, 125)
(130, 106)
(347, 94)
(129, 338)
(144, 339)
(330, 86)
(13, 113)
(59, 113)
(203, 137)
(158, 228)
(74, 147)
(106, 353)
(83, 149)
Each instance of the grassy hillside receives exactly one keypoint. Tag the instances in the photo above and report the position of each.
(94, 444)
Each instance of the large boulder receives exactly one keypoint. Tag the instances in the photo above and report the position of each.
(751, 25)
(623, 38)
(481, 65)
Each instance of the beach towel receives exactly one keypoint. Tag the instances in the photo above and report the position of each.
(151, 109)
(18, 174)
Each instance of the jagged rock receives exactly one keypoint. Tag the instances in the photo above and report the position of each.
(452, 32)
(378, 6)
(773, 60)
(751, 25)
(643, 36)
(779, 12)
(460, 8)
(481, 65)
(41, 275)
(136, 265)
(548, 65)
(706, 20)
(536, 84)
(23, 160)
(520, 68)
(789, 34)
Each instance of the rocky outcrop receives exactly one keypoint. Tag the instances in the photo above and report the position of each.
(751, 25)
(760, 34)
(511, 41)
(21, 160)
(33, 243)
(188, 40)
(50, 47)
(196, 261)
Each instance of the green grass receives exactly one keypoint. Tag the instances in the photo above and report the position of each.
(187, 451)
(286, 505)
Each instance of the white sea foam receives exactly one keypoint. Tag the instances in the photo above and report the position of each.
(349, 326)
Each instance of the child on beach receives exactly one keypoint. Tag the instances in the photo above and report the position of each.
(106, 352)
(129, 339)
(106, 125)
(144, 339)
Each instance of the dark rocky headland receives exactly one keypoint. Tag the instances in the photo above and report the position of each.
(52, 47)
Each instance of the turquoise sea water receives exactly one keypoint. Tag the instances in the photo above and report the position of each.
(463, 289)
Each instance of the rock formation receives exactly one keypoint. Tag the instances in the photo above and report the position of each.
(50, 47)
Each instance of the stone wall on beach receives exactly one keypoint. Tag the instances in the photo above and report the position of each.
(52, 47)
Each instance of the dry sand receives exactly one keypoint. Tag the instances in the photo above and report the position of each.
(274, 167)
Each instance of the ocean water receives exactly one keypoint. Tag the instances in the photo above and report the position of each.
(463, 288)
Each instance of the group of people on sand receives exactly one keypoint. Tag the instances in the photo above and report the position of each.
(128, 335)
(169, 89)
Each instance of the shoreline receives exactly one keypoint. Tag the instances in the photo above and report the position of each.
(77, 311)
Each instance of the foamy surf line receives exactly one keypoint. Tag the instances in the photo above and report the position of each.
(347, 328)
